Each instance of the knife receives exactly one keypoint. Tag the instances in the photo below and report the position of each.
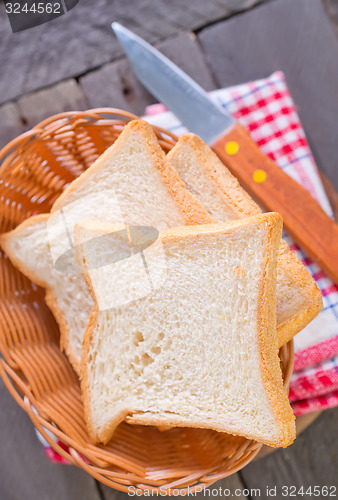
(303, 217)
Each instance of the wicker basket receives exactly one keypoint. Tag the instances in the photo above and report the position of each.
(35, 168)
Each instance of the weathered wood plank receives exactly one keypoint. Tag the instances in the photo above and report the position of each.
(115, 84)
(82, 40)
(60, 49)
(332, 10)
(11, 123)
(25, 471)
(225, 488)
(302, 423)
(288, 35)
(185, 51)
(311, 460)
(64, 96)
(332, 194)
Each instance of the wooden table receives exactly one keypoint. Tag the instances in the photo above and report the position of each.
(74, 62)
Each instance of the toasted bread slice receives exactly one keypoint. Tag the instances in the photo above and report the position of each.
(200, 350)
(298, 298)
(130, 182)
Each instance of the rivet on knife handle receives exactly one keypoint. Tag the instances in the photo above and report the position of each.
(303, 218)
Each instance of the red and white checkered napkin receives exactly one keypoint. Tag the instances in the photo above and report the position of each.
(266, 109)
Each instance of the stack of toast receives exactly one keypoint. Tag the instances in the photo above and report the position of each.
(180, 329)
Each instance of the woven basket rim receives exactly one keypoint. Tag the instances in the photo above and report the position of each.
(93, 113)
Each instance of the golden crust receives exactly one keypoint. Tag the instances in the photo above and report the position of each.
(6, 238)
(166, 421)
(191, 209)
(270, 366)
(64, 339)
(297, 273)
(105, 436)
(96, 437)
(267, 337)
(87, 339)
(244, 206)
(266, 334)
(235, 196)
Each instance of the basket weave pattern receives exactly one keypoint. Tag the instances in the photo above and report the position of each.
(35, 168)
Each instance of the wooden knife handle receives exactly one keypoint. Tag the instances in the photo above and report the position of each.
(303, 217)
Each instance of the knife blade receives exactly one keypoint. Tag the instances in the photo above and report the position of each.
(303, 217)
(189, 101)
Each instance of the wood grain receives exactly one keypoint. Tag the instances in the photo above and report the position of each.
(302, 423)
(11, 123)
(331, 192)
(184, 50)
(311, 460)
(294, 36)
(82, 40)
(116, 85)
(64, 96)
(332, 10)
(25, 471)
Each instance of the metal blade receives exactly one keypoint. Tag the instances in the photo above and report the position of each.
(170, 85)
